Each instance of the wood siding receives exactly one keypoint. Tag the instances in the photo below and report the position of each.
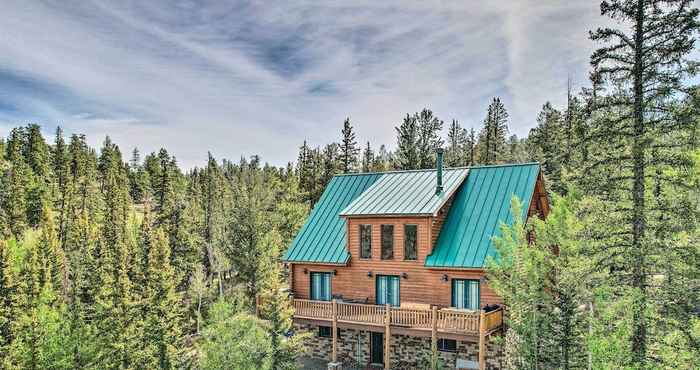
(421, 285)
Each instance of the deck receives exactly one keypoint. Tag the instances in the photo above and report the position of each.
(433, 322)
(452, 321)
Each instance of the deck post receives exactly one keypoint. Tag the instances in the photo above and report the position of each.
(433, 336)
(387, 337)
(482, 340)
(335, 331)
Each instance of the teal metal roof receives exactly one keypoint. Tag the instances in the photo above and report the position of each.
(406, 193)
(482, 202)
(322, 238)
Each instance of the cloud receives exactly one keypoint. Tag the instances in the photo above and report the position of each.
(243, 78)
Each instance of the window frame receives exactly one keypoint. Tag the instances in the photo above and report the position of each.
(388, 278)
(330, 331)
(441, 345)
(362, 249)
(415, 242)
(311, 285)
(466, 295)
(383, 240)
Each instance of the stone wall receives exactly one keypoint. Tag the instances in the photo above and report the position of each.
(405, 350)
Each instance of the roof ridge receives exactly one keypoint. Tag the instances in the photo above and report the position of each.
(399, 171)
(505, 165)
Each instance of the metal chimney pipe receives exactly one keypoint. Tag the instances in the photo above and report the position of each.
(439, 187)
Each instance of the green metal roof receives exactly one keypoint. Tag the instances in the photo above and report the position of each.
(482, 202)
(406, 193)
(322, 238)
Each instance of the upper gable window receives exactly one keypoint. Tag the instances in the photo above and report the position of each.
(387, 242)
(365, 241)
(410, 242)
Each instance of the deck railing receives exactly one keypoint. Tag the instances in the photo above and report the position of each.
(447, 321)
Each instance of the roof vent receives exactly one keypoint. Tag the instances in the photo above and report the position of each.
(439, 187)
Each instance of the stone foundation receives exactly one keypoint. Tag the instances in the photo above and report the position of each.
(408, 351)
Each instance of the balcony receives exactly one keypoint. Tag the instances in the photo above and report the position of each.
(445, 320)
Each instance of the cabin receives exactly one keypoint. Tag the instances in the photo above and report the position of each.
(388, 269)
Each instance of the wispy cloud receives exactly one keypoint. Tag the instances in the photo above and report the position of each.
(246, 78)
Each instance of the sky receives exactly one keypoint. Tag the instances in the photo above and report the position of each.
(244, 78)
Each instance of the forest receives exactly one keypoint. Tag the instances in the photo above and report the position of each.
(114, 260)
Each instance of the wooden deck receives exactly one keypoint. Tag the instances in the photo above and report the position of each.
(448, 320)
(432, 322)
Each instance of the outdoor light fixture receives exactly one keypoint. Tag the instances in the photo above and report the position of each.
(369, 274)
(335, 272)
(404, 275)
(306, 271)
(444, 277)
(483, 279)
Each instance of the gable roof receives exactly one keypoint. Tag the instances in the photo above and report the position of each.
(409, 193)
(322, 238)
(481, 204)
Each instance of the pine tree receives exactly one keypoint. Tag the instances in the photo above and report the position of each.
(645, 62)
(37, 155)
(407, 137)
(368, 159)
(158, 303)
(139, 181)
(429, 128)
(457, 145)
(471, 148)
(7, 295)
(492, 138)
(332, 164)
(18, 179)
(548, 139)
(276, 307)
(348, 148)
(114, 299)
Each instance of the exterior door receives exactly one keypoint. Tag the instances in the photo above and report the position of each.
(321, 286)
(387, 290)
(376, 353)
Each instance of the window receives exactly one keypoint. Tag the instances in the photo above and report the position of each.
(387, 242)
(410, 242)
(388, 290)
(447, 345)
(365, 241)
(321, 286)
(465, 294)
(324, 331)
(327, 331)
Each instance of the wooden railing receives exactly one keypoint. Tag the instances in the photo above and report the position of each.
(447, 321)
(493, 319)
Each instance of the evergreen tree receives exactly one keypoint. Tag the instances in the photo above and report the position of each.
(332, 164)
(233, 340)
(471, 148)
(492, 138)
(17, 181)
(348, 148)
(457, 145)
(548, 141)
(276, 307)
(368, 159)
(645, 62)
(159, 306)
(139, 181)
(407, 156)
(429, 128)
(61, 171)
(114, 299)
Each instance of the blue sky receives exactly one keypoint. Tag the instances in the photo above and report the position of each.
(242, 78)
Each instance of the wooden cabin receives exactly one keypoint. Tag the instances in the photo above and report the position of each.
(389, 267)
